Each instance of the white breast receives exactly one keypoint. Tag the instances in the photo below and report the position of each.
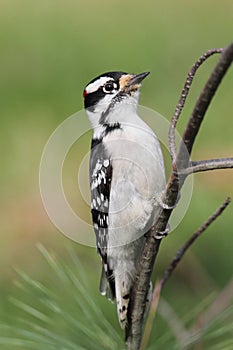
(138, 176)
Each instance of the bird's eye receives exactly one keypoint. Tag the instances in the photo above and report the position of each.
(109, 87)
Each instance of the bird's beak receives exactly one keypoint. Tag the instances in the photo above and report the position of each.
(137, 79)
(130, 83)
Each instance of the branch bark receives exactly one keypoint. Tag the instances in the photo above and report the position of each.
(179, 255)
(209, 164)
(181, 161)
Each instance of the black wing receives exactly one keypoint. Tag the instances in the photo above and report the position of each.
(100, 185)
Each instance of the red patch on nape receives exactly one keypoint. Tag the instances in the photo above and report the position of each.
(84, 93)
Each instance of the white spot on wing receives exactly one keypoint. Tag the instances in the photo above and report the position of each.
(106, 163)
(94, 184)
(98, 165)
(98, 200)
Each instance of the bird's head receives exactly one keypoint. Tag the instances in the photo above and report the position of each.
(111, 91)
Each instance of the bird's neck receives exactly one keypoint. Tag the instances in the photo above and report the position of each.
(122, 112)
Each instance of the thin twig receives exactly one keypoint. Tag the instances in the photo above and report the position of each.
(203, 103)
(184, 94)
(208, 164)
(151, 316)
(179, 255)
(192, 239)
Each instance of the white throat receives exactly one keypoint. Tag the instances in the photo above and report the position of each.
(123, 111)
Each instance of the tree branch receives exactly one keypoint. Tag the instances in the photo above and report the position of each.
(208, 164)
(151, 248)
(179, 255)
(204, 101)
(184, 95)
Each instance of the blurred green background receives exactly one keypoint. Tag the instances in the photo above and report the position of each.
(49, 51)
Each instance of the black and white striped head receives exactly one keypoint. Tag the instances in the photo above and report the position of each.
(111, 89)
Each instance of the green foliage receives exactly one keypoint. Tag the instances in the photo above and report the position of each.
(66, 315)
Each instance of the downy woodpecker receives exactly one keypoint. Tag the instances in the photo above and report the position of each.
(126, 176)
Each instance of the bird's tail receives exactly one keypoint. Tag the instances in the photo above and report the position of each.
(123, 298)
(107, 285)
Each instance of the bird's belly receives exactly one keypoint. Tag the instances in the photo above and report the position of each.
(137, 178)
(132, 205)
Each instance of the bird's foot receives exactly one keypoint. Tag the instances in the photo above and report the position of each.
(162, 234)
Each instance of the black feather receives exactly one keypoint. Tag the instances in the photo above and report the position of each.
(100, 184)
